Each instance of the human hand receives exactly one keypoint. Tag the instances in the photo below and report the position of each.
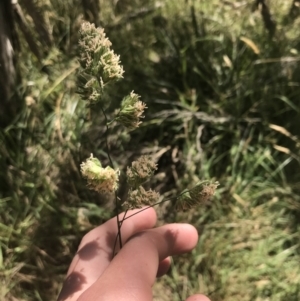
(94, 275)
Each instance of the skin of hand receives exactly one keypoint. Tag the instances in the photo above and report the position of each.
(94, 275)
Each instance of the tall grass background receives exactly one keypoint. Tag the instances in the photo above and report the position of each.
(223, 94)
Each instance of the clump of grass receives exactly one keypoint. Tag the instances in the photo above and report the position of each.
(221, 119)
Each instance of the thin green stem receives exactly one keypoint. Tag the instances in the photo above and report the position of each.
(112, 165)
(119, 231)
(106, 138)
(110, 122)
(174, 268)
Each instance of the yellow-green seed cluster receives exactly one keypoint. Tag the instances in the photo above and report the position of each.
(131, 111)
(100, 65)
(103, 180)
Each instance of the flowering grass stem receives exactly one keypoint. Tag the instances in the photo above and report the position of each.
(112, 165)
(101, 66)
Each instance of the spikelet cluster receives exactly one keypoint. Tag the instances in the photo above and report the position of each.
(131, 111)
(198, 195)
(140, 171)
(140, 197)
(103, 180)
(100, 65)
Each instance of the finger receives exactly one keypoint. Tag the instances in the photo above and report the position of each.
(198, 297)
(96, 248)
(163, 267)
(131, 274)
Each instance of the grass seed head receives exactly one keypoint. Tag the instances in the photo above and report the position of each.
(198, 195)
(140, 197)
(103, 180)
(140, 171)
(131, 111)
(100, 65)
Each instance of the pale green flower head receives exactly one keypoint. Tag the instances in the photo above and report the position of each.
(131, 111)
(198, 195)
(202, 192)
(99, 64)
(103, 180)
(96, 57)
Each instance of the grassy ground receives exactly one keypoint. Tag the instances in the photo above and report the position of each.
(223, 99)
